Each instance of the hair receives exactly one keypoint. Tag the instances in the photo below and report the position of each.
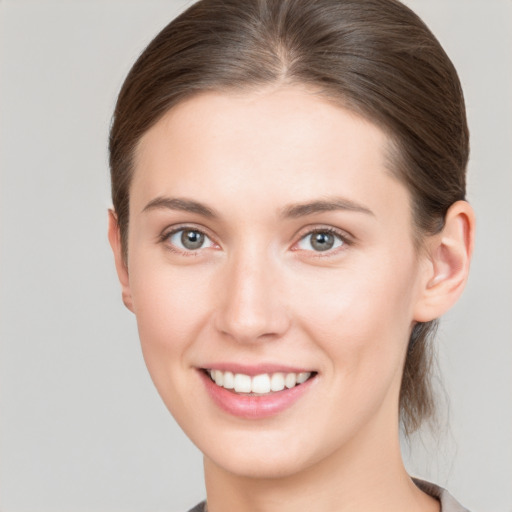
(376, 58)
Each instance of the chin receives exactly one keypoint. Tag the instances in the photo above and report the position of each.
(260, 467)
(263, 456)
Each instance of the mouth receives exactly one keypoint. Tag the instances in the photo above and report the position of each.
(264, 384)
(257, 391)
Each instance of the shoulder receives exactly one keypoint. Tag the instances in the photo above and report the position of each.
(448, 502)
(200, 507)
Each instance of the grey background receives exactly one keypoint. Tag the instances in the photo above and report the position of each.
(81, 427)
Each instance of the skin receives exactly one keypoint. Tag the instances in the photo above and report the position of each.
(258, 292)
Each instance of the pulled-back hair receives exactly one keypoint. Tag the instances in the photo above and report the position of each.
(374, 57)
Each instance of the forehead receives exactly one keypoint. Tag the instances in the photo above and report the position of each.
(285, 143)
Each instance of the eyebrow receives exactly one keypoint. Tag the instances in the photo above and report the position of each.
(336, 203)
(185, 205)
(291, 211)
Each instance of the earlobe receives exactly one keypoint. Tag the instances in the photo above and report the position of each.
(449, 256)
(114, 237)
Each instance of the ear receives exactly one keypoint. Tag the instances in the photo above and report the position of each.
(447, 266)
(114, 237)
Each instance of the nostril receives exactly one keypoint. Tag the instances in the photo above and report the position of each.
(254, 327)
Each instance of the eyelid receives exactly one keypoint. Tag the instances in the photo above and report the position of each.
(347, 239)
(163, 237)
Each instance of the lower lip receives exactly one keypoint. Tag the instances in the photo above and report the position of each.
(253, 406)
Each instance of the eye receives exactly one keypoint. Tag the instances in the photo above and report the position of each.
(321, 241)
(189, 239)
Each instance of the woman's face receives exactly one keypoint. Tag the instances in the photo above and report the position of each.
(269, 242)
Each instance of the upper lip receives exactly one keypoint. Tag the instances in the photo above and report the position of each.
(255, 369)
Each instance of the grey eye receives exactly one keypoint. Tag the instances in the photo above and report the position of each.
(192, 239)
(320, 241)
(189, 239)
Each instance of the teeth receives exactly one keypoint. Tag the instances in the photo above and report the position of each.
(229, 380)
(277, 382)
(290, 380)
(259, 384)
(303, 377)
(242, 383)
(218, 377)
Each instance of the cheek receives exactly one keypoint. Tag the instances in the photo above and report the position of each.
(170, 304)
(361, 315)
(361, 322)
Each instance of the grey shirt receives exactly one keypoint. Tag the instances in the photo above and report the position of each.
(448, 502)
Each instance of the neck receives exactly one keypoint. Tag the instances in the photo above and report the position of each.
(367, 476)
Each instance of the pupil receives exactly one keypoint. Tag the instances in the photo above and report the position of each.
(192, 239)
(322, 241)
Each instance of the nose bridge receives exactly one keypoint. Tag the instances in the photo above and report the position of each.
(252, 305)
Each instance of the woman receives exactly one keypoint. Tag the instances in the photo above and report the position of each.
(289, 221)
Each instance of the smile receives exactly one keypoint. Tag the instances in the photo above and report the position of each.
(258, 395)
(262, 384)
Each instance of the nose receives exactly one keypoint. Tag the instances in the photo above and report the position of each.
(252, 304)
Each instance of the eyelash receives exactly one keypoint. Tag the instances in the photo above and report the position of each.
(166, 235)
(343, 237)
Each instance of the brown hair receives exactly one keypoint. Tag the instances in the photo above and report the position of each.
(376, 57)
